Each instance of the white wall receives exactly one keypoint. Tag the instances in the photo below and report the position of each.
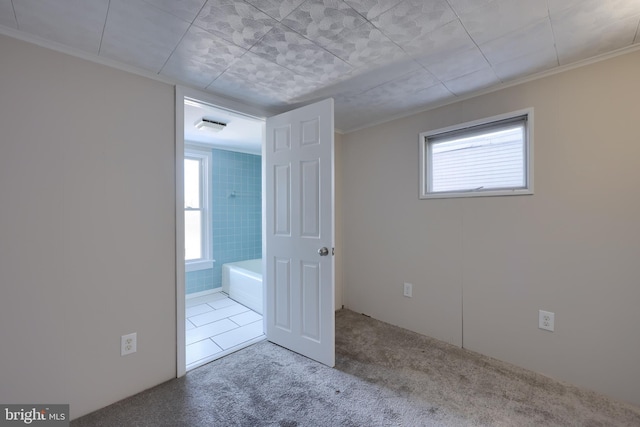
(483, 267)
(87, 221)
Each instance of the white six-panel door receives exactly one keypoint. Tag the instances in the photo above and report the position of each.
(299, 265)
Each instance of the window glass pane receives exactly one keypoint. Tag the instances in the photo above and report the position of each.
(192, 235)
(490, 160)
(192, 183)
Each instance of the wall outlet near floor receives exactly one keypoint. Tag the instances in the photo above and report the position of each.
(408, 290)
(546, 320)
(128, 344)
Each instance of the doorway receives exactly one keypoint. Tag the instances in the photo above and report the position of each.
(223, 232)
(299, 286)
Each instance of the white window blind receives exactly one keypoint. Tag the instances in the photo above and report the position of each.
(490, 157)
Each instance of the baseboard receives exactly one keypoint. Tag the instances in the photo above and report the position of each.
(203, 293)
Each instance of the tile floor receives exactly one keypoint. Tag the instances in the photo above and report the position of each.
(216, 326)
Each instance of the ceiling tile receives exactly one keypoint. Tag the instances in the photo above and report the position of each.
(260, 74)
(277, 9)
(201, 57)
(612, 10)
(183, 9)
(75, 23)
(462, 6)
(7, 16)
(366, 111)
(412, 19)
(532, 62)
(472, 82)
(366, 45)
(451, 36)
(421, 97)
(400, 88)
(372, 8)
(140, 35)
(235, 21)
(580, 40)
(323, 21)
(191, 71)
(532, 38)
(501, 17)
(207, 48)
(365, 78)
(235, 86)
(455, 63)
(294, 52)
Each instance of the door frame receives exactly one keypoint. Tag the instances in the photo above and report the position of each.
(226, 104)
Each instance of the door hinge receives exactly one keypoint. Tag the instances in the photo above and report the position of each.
(333, 251)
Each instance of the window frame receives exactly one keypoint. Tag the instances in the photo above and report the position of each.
(471, 126)
(206, 173)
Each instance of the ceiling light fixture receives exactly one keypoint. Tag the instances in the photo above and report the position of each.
(210, 124)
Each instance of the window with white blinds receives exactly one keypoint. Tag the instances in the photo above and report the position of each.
(487, 158)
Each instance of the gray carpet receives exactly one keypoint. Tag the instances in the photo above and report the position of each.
(384, 376)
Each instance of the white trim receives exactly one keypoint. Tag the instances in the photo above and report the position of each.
(423, 152)
(179, 243)
(203, 293)
(198, 265)
(232, 106)
(209, 146)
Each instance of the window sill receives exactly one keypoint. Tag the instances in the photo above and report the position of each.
(198, 265)
(489, 193)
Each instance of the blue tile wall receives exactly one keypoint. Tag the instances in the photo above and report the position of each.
(198, 281)
(236, 193)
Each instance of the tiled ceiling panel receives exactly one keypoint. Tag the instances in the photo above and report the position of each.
(501, 17)
(377, 58)
(75, 23)
(473, 81)
(531, 38)
(200, 45)
(141, 35)
(298, 54)
(279, 83)
(366, 45)
(412, 19)
(323, 21)
(235, 21)
(277, 9)
(183, 9)
(539, 61)
(455, 63)
(7, 15)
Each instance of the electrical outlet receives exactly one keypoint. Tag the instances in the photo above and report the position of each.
(128, 344)
(546, 320)
(408, 290)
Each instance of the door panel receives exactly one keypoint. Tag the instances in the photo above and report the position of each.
(299, 280)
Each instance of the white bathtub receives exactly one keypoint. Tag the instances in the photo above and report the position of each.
(242, 281)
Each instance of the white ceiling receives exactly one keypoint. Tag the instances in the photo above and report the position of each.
(376, 58)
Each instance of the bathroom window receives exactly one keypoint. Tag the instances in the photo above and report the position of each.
(197, 230)
(491, 157)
